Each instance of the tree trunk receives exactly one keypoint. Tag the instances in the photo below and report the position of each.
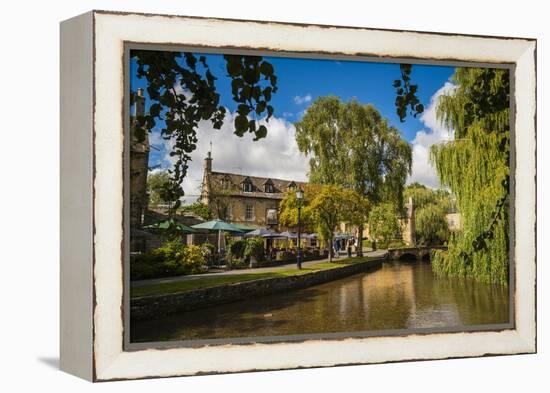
(330, 250)
(360, 240)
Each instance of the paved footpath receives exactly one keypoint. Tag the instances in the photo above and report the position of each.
(140, 283)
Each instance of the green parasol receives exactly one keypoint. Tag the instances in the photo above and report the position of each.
(170, 223)
(219, 226)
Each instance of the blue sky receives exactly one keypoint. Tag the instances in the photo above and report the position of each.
(366, 81)
(300, 81)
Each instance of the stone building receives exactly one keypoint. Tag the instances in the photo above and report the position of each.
(139, 164)
(241, 199)
(408, 229)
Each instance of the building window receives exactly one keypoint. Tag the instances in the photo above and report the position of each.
(269, 188)
(249, 213)
(225, 184)
(271, 216)
(292, 185)
(247, 186)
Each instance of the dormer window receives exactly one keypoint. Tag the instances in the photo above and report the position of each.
(292, 185)
(247, 185)
(268, 186)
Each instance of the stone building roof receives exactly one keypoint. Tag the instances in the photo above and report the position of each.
(233, 184)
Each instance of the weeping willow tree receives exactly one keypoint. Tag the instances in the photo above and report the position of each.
(350, 144)
(475, 166)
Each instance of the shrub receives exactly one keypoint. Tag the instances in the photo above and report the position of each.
(193, 260)
(208, 251)
(237, 263)
(236, 248)
(173, 258)
(235, 253)
(145, 266)
(254, 248)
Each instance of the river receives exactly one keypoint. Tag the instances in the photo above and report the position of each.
(399, 295)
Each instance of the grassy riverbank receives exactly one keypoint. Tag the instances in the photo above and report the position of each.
(212, 281)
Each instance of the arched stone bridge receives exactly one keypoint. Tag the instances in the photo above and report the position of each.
(418, 253)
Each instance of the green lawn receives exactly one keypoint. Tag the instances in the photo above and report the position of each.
(212, 281)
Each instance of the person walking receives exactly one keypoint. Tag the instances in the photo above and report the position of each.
(336, 247)
(349, 247)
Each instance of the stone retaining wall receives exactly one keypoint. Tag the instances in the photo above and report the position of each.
(150, 307)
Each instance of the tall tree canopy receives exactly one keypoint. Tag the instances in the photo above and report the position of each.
(182, 91)
(351, 145)
(475, 166)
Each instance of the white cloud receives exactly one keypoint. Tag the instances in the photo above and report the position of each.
(275, 156)
(299, 100)
(435, 132)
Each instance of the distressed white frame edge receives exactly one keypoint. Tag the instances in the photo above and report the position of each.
(76, 192)
(110, 33)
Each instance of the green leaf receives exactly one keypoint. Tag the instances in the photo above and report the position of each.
(267, 93)
(266, 69)
(261, 132)
(250, 76)
(256, 92)
(252, 125)
(236, 84)
(154, 110)
(234, 68)
(243, 109)
(260, 107)
(241, 124)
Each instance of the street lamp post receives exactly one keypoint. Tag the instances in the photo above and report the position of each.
(299, 198)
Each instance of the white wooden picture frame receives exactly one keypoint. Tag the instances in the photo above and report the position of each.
(92, 238)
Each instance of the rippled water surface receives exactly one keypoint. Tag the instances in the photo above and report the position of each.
(398, 295)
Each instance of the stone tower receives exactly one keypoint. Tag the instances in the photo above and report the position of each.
(408, 224)
(139, 165)
(206, 180)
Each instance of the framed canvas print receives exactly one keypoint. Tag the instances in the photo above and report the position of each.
(245, 195)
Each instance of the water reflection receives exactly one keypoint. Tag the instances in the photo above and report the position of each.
(399, 295)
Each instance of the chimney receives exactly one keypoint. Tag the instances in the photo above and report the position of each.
(139, 108)
(208, 163)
